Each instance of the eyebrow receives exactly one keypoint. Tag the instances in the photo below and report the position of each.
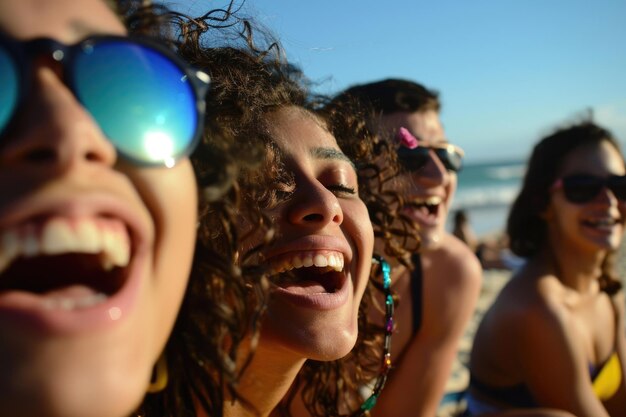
(331, 153)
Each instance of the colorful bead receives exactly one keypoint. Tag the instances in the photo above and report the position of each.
(369, 403)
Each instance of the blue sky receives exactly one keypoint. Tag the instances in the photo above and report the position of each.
(508, 71)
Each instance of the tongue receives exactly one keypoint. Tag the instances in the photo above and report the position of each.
(76, 291)
(305, 287)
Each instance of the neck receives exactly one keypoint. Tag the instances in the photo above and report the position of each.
(576, 270)
(265, 381)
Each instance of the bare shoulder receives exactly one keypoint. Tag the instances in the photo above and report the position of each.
(531, 302)
(452, 282)
(453, 264)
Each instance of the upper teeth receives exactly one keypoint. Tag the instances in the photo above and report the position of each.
(333, 260)
(60, 235)
(432, 201)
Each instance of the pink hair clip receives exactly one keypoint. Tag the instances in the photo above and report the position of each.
(407, 139)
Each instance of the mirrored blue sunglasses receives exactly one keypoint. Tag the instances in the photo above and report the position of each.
(147, 101)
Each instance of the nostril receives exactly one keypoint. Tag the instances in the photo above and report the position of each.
(315, 217)
(93, 157)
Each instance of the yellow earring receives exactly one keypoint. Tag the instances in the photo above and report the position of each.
(159, 381)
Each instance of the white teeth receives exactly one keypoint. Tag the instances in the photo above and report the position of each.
(59, 236)
(88, 234)
(9, 248)
(431, 201)
(115, 249)
(62, 303)
(30, 245)
(320, 261)
(333, 260)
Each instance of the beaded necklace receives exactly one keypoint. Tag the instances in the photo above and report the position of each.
(370, 402)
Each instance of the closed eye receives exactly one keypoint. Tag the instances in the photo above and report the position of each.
(341, 189)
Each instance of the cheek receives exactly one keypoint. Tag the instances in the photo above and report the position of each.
(452, 184)
(170, 196)
(361, 235)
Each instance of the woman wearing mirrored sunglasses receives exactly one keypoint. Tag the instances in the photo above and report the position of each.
(98, 213)
(555, 335)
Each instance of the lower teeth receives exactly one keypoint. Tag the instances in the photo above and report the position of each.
(69, 304)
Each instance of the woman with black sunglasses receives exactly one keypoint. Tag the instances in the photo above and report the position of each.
(555, 335)
(430, 322)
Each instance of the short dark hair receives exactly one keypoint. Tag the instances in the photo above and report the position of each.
(395, 95)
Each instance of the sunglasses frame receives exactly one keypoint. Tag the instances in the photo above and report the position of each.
(25, 52)
(601, 183)
(408, 156)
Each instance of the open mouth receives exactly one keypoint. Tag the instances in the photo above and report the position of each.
(427, 207)
(317, 272)
(68, 264)
(601, 223)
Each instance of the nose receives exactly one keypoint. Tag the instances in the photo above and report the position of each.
(606, 196)
(433, 172)
(314, 205)
(52, 131)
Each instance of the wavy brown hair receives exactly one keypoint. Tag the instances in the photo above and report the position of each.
(526, 228)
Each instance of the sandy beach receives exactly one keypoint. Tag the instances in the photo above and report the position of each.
(493, 281)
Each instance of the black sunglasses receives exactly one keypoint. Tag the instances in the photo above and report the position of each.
(451, 156)
(146, 100)
(584, 188)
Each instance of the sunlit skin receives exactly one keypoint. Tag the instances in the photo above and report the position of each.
(551, 309)
(85, 362)
(324, 215)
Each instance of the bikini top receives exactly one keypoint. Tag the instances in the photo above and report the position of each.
(606, 380)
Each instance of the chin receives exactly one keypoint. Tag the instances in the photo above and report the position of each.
(431, 239)
(67, 396)
(325, 337)
(101, 374)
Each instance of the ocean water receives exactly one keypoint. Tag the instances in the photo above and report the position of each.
(485, 191)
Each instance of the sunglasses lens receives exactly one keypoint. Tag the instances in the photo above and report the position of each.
(451, 159)
(581, 189)
(9, 80)
(618, 187)
(413, 159)
(142, 100)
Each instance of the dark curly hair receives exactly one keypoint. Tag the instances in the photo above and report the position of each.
(225, 295)
(526, 228)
